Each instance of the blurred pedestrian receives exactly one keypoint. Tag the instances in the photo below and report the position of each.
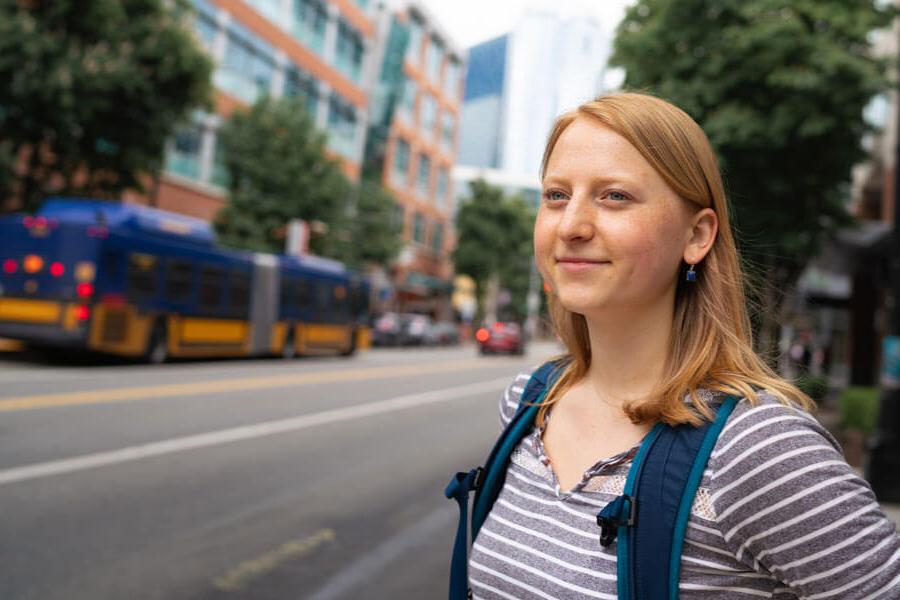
(633, 239)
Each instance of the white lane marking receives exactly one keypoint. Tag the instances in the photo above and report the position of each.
(370, 566)
(246, 432)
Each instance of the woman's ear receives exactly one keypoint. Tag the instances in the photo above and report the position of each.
(704, 228)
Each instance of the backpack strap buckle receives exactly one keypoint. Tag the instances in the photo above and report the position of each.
(620, 512)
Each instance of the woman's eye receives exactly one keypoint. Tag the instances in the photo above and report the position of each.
(554, 195)
(617, 196)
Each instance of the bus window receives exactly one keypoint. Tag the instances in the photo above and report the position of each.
(142, 277)
(358, 302)
(212, 281)
(239, 297)
(179, 279)
(303, 294)
(287, 295)
(323, 296)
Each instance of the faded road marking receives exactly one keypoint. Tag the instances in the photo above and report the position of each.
(369, 567)
(246, 432)
(234, 385)
(245, 572)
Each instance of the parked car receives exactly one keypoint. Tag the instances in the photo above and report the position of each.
(387, 330)
(501, 338)
(445, 333)
(416, 329)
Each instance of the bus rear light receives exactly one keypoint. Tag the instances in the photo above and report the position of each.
(10, 266)
(32, 263)
(113, 299)
(84, 290)
(40, 222)
(98, 232)
(82, 313)
(57, 269)
(85, 271)
(28, 222)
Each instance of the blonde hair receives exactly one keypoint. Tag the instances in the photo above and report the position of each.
(711, 341)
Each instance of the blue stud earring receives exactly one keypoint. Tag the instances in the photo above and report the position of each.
(691, 275)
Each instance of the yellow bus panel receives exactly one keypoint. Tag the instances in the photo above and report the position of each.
(330, 335)
(212, 331)
(30, 311)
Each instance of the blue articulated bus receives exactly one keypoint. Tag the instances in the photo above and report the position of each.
(140, 282)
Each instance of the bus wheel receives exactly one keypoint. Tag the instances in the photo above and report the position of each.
(352, 349)
(158, 348)
(289, 350)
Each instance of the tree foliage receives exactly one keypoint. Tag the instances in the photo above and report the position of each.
(278, 171)
(494, 233)
(91, 90)
(780, 90)
(368, 232)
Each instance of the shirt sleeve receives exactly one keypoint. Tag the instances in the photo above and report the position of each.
(509, 403)
(789, 505)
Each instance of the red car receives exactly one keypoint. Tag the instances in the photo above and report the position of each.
(501, 338)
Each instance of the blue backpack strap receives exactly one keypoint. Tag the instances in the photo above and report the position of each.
(650, 518)
(487, 481)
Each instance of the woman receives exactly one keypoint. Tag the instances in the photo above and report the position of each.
(633, 239)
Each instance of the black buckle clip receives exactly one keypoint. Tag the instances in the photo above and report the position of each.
(610, 518)
(478, 480)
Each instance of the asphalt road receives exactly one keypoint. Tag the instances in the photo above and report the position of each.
(315, 478)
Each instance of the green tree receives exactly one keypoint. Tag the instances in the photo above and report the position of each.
(780, 90)
(278, 171)
(494, 247)
(91, 90)
(367, 233)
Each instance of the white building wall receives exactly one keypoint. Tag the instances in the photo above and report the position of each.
(553, 65)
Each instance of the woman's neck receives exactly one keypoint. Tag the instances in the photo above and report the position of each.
(629, 351)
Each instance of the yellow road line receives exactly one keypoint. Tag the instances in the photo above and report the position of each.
(241, 575)
(198, 388)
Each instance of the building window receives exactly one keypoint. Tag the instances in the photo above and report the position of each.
(429, 114)
(219, 172)
(205, 24)
(435, 58)
(298, 84)
(341, 126)
(441, 185)
(308, 21)
(249, 66)
(414, 47)
(270, 8)
(451, 80)
(422, 180)
(408, 97)
(437, 238)
(349, 51)
(184, 156)
(419, 228)
(401, 164)
(398, 216)
(448, 123)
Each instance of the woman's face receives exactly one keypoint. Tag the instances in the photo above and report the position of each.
(610, 233)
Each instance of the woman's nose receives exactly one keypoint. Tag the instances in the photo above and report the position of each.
(577, 222)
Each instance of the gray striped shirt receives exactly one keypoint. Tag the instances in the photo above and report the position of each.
(779, 514)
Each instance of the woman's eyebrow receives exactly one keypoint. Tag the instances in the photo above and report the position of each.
(596, 180)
